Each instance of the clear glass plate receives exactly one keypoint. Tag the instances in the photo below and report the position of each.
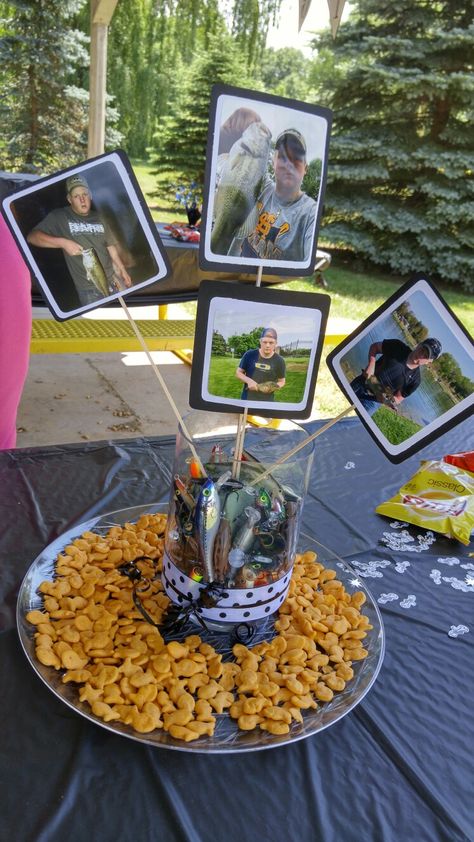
(227, 737)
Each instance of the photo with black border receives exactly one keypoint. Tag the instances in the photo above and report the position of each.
(87, 235)
(257, 349)
(408, 370)
(266, 166)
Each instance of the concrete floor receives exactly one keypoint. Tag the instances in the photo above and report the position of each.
(82, 397)
(89, 397)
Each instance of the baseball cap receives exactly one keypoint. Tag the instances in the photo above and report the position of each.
(76, 181)
(269, 331)
(294, 139)
(433, 347)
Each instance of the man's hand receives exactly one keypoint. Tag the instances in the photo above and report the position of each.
(119, 268)
(397, 397)
(72, 248)
(126, 278)
(252, 385)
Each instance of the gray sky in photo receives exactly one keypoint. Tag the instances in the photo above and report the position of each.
(291, 323)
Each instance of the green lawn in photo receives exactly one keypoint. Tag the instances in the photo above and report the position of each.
(223, 382)
(395, 428)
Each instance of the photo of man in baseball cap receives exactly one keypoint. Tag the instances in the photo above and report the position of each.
(281, 224)
(88, 244)
(262, 370)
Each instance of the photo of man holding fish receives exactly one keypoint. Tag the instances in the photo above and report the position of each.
(262, 370)
(87, 235)
(87, 243)
(265, 182)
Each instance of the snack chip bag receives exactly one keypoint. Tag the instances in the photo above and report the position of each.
(440, 496)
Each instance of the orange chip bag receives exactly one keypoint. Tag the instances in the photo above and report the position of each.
(440, 497)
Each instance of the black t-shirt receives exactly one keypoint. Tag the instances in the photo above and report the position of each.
(391, 369)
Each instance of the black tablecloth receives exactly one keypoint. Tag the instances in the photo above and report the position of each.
(398, 768)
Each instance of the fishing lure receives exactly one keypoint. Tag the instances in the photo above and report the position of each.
(207, 519)
(246, 535)
(182, 494)
(263, 499)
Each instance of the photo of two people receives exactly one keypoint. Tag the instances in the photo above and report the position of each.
(265, 179)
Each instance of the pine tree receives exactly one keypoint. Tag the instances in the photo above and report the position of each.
(401, 177)
(179, 150)
(43, 115)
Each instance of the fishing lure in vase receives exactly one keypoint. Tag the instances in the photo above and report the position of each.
(207, 520)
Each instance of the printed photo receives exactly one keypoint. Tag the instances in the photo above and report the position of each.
(265, 177)
(257, 349)
(87, 235)
(409, 370)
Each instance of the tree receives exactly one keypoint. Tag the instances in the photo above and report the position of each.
(219, 345)
(285, 72)
(43, 114)
(132, 76)
(243, 342)
(401, 181)
(149, 43)
(312, 179)
(250, 20)
(179, 145)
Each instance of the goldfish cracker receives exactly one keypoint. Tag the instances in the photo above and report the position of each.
(200, 727)
(276, 727)
(440, 497)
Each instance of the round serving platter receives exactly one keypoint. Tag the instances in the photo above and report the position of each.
(227, 737)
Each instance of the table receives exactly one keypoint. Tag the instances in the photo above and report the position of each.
(398, 768)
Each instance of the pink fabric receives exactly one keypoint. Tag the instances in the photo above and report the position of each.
(15, 333)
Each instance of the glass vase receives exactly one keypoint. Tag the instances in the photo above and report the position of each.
(233, 525)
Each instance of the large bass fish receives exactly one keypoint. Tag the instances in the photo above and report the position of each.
(240, 184)
(95, 272)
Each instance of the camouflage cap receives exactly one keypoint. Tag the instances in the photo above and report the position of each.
(76, 181)
(294, 139)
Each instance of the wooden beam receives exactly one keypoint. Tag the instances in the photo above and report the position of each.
(336, 7)
(101, 15)
(103, 11)
(303, 8)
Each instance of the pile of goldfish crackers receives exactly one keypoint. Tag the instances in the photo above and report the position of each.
(90, 629)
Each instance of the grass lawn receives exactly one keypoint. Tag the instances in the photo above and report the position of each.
(147, 182)
(354, 295)
(396, 429)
